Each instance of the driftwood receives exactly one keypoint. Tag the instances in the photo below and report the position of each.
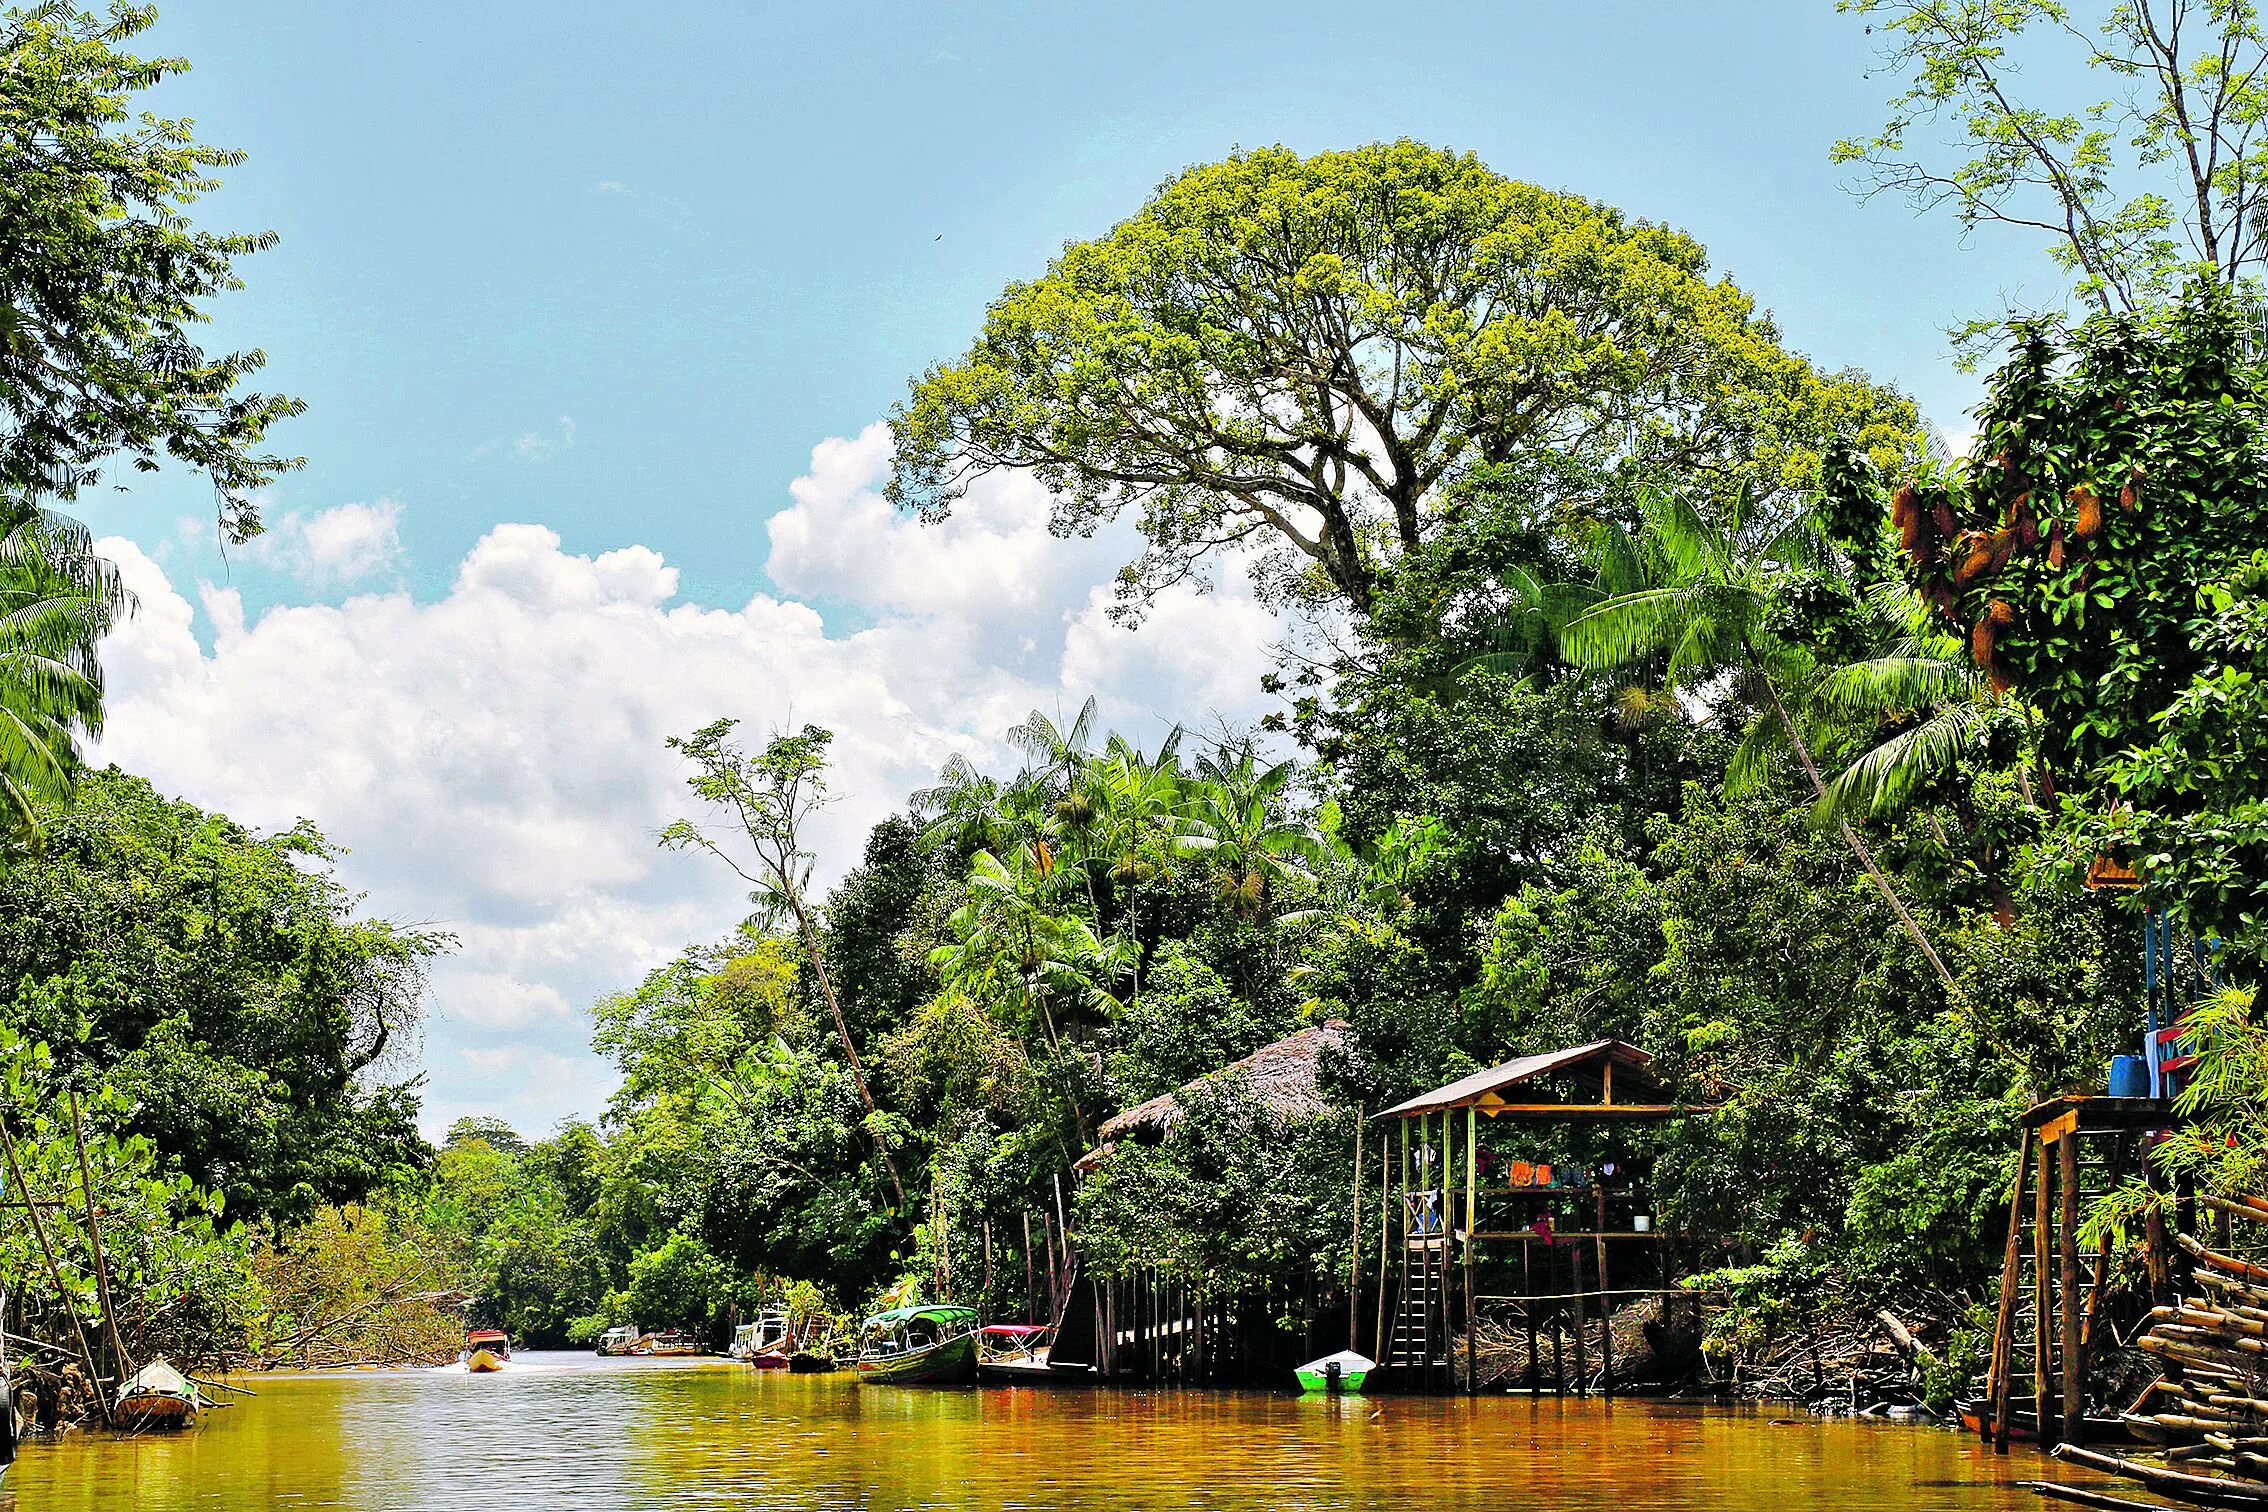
(2209, 1412)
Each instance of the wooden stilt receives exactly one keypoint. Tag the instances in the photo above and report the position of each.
(1528, 1306)
(1354, 1249)
(2004, 1330)
(1385, 1234)
(1606, 1299)
(2043, 1295)
(1582, 1324)
(1472, 1228)
(2072, 1307)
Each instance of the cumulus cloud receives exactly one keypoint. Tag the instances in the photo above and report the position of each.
(494, 758)
(348, 544)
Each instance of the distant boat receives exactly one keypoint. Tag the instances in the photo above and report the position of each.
(764, 1344)
(1342, 1372)
(933, 1344)
(619, 1340)
(158, 1397)
(487, 1349)
(668, 1342)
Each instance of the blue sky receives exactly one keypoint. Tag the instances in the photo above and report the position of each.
(613, 272)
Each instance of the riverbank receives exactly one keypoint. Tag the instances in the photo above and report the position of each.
(573, 1431)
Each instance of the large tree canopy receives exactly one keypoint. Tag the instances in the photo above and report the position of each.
(102, 281)
(222, 981)
(1303, 353)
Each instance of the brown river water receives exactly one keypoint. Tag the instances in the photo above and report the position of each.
(571, 1431)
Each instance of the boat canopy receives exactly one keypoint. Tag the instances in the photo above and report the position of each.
(933, 1312)
(1016, 1330)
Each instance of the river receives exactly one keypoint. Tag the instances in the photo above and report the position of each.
(571, 1431)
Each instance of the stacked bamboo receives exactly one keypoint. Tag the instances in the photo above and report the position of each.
(2207, 1414)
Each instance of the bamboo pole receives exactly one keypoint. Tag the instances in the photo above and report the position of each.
(2067, 1243)
(55, 1274)
(1031, 1302)
(1354, 1258)
(121, 1363)
(2043, 1296)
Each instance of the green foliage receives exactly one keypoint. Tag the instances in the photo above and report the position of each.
(1232, 1198)
(677, 1285)
(2116, 468)
(1344, 337)
(179, 1274)
(223, 981)
(57, 600)
(106, 279)
(2159, 178)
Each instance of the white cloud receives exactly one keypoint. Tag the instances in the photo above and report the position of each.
(494, 760)
(347, 544)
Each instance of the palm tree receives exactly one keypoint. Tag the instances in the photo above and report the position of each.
(57, 601)
(1055, 750)
(1700, 595)
(1237, 822)
(1007, 936)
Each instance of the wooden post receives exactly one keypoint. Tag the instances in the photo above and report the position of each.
(1472, 1228)
(2043, 1295)
(1385, 1238)
(1606, 1299)
(1354, 1255)
(1994, 1426)
(1582, 1328)
(2067, 1242)
(1558, 1358)
(1528, 1306)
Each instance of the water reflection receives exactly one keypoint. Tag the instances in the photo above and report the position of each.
(576, 1432)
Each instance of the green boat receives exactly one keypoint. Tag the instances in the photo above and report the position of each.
(1343, 1371)
(929, 1345)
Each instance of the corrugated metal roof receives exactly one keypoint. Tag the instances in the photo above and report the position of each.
(1467, 1090)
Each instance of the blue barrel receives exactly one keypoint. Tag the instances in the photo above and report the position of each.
(2129, 1076)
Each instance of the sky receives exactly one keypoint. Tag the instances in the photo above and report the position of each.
(598, 310)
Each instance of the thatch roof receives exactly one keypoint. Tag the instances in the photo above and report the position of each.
(1283, 1076)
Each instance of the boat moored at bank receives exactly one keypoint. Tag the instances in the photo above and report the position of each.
(930, 1344)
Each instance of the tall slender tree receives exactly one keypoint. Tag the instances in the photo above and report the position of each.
(771, 795)
(1701, 596)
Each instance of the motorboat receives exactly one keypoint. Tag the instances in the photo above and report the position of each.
(929, 1344)
(764, 1344)
(1010, 1354)
(1341, 1372)
(619, 1340)
(669, 1341)
(158, 1397)
(487, 1349)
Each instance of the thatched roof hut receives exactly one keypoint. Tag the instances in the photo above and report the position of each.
(1284, 1076)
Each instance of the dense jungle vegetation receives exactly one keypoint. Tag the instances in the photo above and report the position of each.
(1640, 678)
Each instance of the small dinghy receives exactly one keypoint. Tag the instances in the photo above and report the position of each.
(159, 1397)
(1344, 1371)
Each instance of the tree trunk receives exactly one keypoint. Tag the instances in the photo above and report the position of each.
(1851, 836)
(842, 1031)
